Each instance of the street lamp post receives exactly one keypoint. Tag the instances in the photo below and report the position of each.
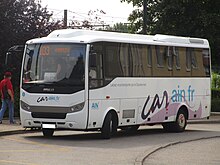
(65, 19)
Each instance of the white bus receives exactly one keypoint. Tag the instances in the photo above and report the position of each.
(93, 80)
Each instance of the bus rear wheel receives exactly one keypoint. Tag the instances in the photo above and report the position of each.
(109, 126)
(47, 132)
(179, 125)
(181, 121)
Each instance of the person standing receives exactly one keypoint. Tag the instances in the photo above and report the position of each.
(7, 94)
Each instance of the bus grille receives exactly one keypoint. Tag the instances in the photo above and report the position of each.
(48, 115)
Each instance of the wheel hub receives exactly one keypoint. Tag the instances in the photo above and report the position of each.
(181, 120)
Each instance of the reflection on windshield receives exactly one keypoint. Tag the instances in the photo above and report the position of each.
(54, 63)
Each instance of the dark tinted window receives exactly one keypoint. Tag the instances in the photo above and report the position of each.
(173, 57)
(110, 60)
(161, 54)
(114, 53)
(191, 61)
(96, 78)
(149, 55)
(206, 61)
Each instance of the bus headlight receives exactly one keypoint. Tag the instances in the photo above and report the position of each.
(77, 107)
(25, 106)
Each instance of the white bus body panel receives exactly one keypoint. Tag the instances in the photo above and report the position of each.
(78, 120)
(128, 97)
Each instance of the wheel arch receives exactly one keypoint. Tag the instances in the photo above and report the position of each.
(114, 114)
(185, 110)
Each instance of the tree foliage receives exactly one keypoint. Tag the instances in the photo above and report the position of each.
(22, 20)
(194, 18)
(119, 27)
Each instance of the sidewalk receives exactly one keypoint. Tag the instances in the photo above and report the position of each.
(214, 118)
(11, 129)
(8, 129)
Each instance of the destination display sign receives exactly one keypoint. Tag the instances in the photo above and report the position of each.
(54, 49)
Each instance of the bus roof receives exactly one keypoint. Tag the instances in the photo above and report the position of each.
(89, 36)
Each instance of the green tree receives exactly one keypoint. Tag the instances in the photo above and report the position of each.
(119, 27)
(194, 18)
(22, 20)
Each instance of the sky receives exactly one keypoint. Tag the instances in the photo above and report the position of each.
(109, 11)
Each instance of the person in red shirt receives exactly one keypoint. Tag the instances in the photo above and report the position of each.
(7, 94)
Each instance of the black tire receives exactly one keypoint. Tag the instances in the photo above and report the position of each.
(179, 125)
(109, 126)
(48, 132)
(132, 128)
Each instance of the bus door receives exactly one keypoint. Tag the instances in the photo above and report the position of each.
(96, 82)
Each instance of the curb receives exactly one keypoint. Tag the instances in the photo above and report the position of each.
(142, 157)
(214, 121)
(215, 113)
(5, 133)
(206, 120)
(16, 132)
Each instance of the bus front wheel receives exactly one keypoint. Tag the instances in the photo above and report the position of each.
(48, 132)
(109, 126)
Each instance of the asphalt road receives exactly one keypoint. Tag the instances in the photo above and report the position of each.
(70, 147)
(199, 152)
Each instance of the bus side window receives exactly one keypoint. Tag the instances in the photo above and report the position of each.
(198, 69)
(95, 66)
(191, 61)
(177, 58)
(160, 62)
(149, 56)
(188, 59)
(160, 54)
(206, 61)
(170, 58)
(115, 61)
(173, 58)
(92, 66)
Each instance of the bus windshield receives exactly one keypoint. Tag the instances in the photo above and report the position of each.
(54, 63)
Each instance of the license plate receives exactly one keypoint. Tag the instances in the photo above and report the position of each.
(49, 126)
